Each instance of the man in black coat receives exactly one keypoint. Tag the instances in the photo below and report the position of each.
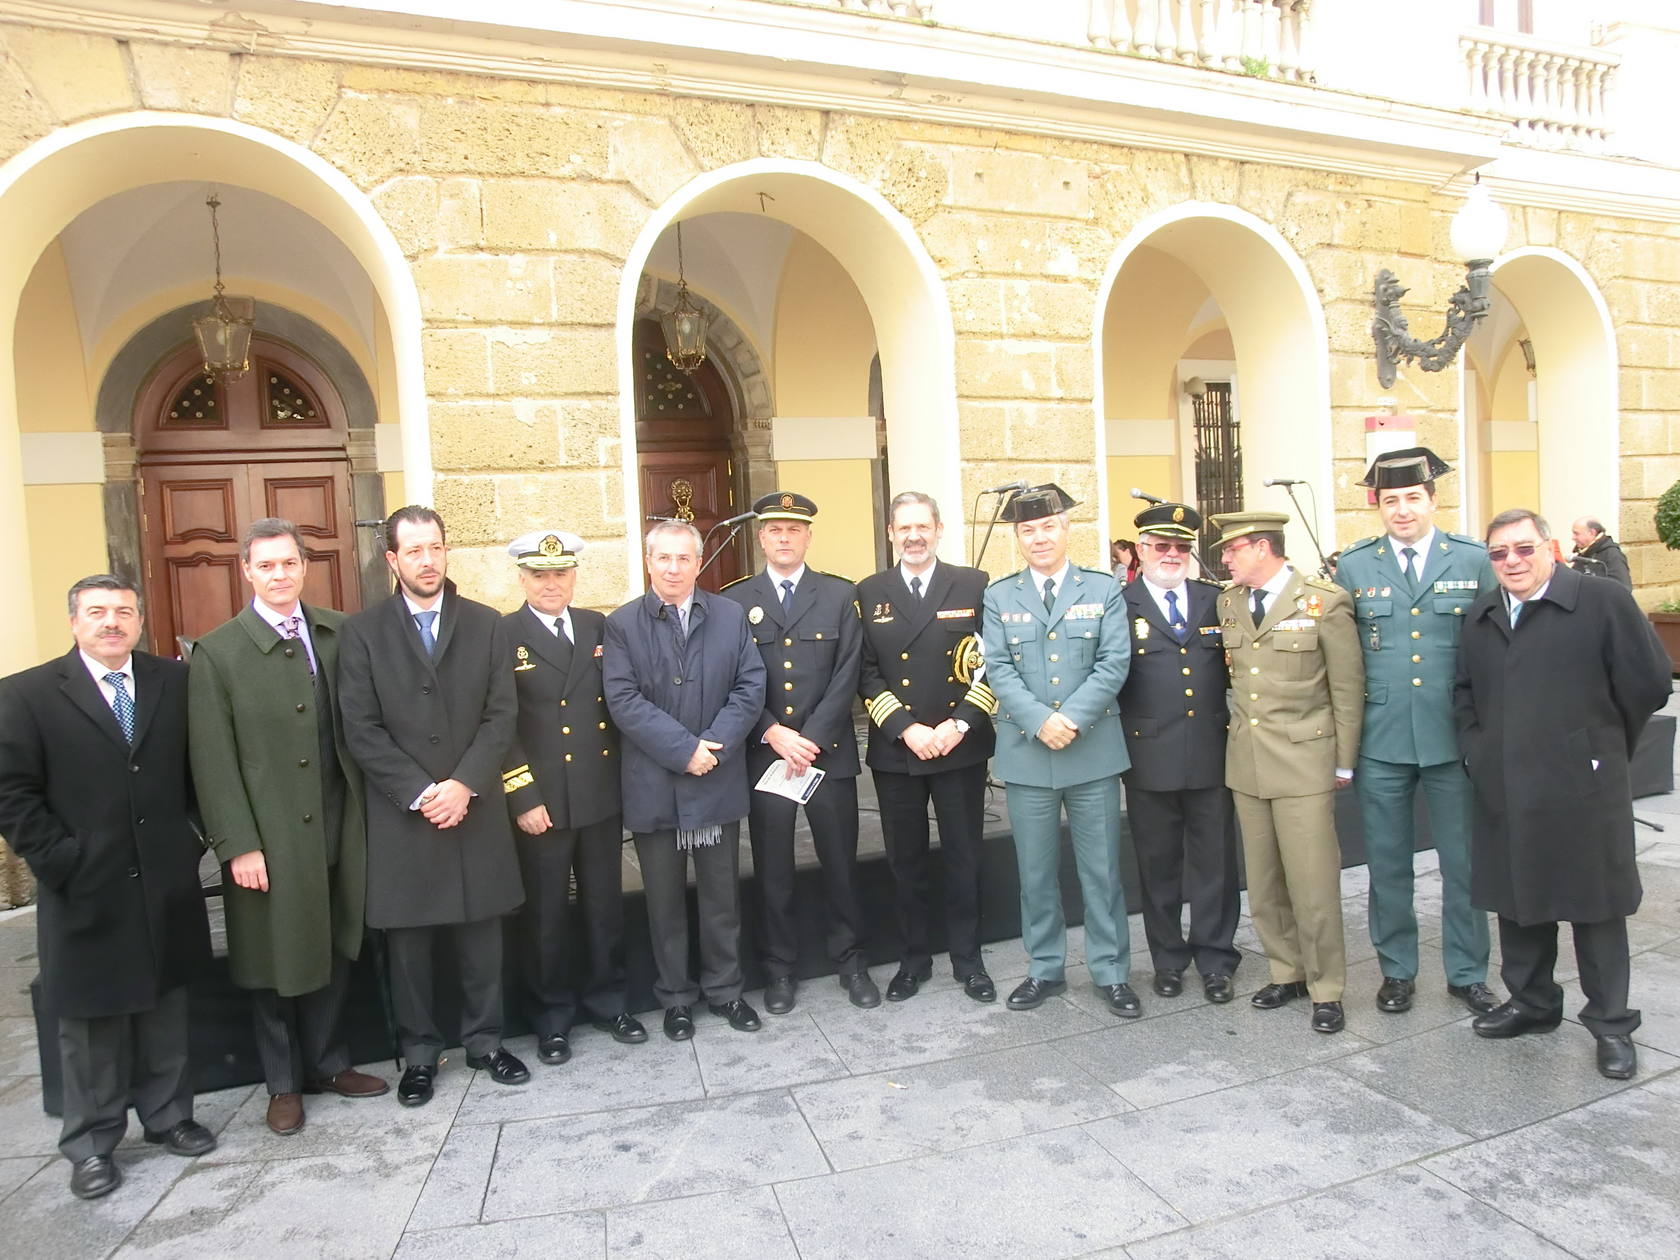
(429, 711)
(685, 685)
(930, 737)
(96, 797)
(1557, 675)
(1173, 710)
(561, 784)
(1597, 553)
(805, 624)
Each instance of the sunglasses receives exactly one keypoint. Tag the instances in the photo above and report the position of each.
(1524, 550)
(1162, 548)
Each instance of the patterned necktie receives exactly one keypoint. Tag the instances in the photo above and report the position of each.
(1049, 594)
(1259, 606)
(424, 620)
(787, 596)
(1408, 566)
(122, 703)
(293, 628)
(1175, 617)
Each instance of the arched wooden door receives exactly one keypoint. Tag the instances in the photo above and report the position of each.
(685, 427)
(215, 455)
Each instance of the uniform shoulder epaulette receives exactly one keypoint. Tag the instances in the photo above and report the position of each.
(1324, 584)
(839, 577)
(1465, 538)
(1361, 544)
(737, 582)
(1202, 581)
(999, 581)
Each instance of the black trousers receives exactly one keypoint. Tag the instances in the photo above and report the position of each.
(110, 1061)
(1186, 844)
(959, 804)
(554, 993)
(298, 1038)
(833, 818)
(478, 957)
(717, 889)
(1528, 955)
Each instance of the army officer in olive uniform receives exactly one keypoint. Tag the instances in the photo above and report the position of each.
(805, 625)
(1057, 652)
(1297, 698)
(560, 779)
(1412, 586)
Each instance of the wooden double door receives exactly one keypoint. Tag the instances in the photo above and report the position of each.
(215, 455)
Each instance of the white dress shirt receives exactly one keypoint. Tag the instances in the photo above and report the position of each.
(564, 617)
(98, 669)
(1159, 595)
(925, 577)
(274, 619)
(1059, 577)
(1420, 548)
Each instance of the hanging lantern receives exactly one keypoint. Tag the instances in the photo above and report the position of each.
(685, 324)
(224, 335)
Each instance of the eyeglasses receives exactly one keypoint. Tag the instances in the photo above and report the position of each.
(1162, 548)
(1524, 550)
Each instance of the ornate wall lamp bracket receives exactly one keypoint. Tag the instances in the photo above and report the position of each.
(1394, 343)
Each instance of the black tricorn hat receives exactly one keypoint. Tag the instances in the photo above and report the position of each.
(1396, 470)
(1036, 502)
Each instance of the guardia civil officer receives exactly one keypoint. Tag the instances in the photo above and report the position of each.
(1412, 586)
(805, 625)
(561, 783)
(1056, 654)
(1174, 712)
(1297, 688)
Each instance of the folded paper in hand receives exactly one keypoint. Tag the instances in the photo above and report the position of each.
(777, 779)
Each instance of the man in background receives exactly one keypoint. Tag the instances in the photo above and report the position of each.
(1597, 553)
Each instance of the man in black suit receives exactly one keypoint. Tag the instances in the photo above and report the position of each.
(95, 796)
(930, 736)
(805, 624)
(429, 712)
(1173, 710)
(561, 783)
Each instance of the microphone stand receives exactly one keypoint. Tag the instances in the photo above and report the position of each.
(1323, 563)
(734, 532)
(997, 513)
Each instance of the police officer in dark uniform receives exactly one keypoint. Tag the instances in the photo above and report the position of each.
(1173, 708)
(930, 737)
(561, 784)
(805, 624)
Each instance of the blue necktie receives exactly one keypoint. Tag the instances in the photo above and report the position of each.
(123, 704)
(787, 596)
(1175, 618)
(427, 639)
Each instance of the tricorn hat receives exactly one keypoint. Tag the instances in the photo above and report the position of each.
(1396, 470)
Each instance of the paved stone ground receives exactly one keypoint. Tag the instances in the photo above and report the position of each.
(942, 1127)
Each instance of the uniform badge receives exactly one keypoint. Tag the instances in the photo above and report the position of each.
(1178, 515)
(1386, 591)
(598, 652)
(755, 614)
(1370, 592)
(550, 546)
(882, 615)
(1140, 628)
(1314, 606)
(524, 655)
(968, 661)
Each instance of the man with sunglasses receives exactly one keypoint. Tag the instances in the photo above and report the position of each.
(1557, 675)
(1296, 707)
(1173, 709)
(1411, 586)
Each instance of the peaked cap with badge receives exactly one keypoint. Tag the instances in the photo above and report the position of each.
(1169, 520)
(784, 505)
(1036, 502)
(546, 549)
(1233, 525)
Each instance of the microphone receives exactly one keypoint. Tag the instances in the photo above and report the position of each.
(1005, 489)
(736, 520)
(1147, 498)
(1284, 481)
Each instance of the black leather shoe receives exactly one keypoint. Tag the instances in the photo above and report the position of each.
(741, 1017)
(1327, 1017)
(1617, 1058)
(554, 1048)
(1505, 1020)
(94, 1176)
(504, 1067)
(186, 1138)
(778, 995)
(415, 1088)
(903, 986)
(1395, 996)
(978, 985)
(1478, 997)
(1121, 1001)
(625, 1028)
(679, 1023)
(1275, 995)
(861, 990)
(1169, 981)
(1217, 987)
(1032, 992)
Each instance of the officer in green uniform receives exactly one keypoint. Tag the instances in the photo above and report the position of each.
(1412, 586)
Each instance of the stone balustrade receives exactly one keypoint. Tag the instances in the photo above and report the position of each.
(1553, 94)
(918, 10)
(1260, 37)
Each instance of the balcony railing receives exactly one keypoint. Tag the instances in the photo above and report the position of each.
(920, 10)
(1553, 94)
(1258, 37)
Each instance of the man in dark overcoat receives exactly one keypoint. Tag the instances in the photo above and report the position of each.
(805, 625)
(95, 795)
(561, 785)
(1557, 675)
(282, 806)
(1173, 710)
(685, 685)
(429, 712)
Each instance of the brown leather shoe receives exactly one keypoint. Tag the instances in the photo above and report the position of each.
(285, 1113)
(350, 1084)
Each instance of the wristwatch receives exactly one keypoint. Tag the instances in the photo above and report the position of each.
(962, 726)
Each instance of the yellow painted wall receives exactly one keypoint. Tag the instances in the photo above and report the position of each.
(1145, 330)
(843, 535)
(1513, 481)
(1510, 387)
(824, 338)
(54, 395)
(66, 542)
(1155, 474)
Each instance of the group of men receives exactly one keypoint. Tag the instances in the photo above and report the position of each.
(428, 768)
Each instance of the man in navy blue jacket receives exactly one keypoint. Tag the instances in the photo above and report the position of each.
(685, 685)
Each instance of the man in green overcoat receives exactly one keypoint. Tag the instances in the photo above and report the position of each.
(282, 805)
